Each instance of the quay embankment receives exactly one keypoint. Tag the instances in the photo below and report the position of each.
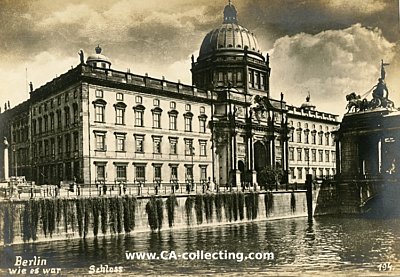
(54, 218)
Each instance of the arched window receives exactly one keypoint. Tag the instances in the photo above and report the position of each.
(120, 113)
(156, 117)
(188, 121)
(99, 106)
(139, 115)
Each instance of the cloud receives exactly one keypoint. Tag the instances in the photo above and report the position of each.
(329, 64)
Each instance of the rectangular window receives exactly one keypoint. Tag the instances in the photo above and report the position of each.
(46, 148)
(314, 137)
(189, 150)
(327, 173)
(120, 116)
(156, 120)
(101, 172)
(306, 138)
(321, 173)
(299, 152)
(202, 110)
(291, 154)
(220, 76)
(327, 155)
(99, 113)
(60, 145)
(188, 107)
(100, 141)
(172, 122)
(138, 99)
(67, 143)
(172, 105)
(121, 172)
(313, 155)
(203, 147)
(299, 136)
(292, 173)
(251, 78)
(174, 172)
(120, 142)
(173, 144)
(99, 93)
(320, 155)
(203, 173)
(230, 76)
(59, 124)
(140, 172)
(239, 76)
(46, 123)
(299, 173)
(139, 142)
(75, 114)
(120, 96)
(333, 154)
(188, 124)
(67, 118)
(189, 173)
(52, 122)
(139, 118)
(157, 172)
(307, 155)
(156, 102)
(327, 140)
(202, 123)
(157, 145)
(320, 137)
(76, 141)
(53, 147)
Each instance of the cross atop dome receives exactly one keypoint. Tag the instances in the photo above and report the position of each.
(230, 13)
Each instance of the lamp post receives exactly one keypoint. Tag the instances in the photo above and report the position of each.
(14, 149)
(192, 179)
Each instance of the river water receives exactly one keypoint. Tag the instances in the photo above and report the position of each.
(327, 246)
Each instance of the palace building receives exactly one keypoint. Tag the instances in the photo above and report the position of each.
(311, 143)
(94, 124)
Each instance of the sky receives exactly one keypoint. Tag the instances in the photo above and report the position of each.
(329, 48)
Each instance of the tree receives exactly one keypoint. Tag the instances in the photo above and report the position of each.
(268, 177)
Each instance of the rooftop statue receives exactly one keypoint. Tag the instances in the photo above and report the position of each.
(380, 96)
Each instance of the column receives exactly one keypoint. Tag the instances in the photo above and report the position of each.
(6, 167)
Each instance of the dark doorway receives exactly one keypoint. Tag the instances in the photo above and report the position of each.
(260, 156)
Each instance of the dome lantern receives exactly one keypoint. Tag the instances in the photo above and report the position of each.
(230, 13)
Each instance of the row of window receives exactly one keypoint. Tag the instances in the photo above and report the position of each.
(120, 142)
(139, 101)
(63, 143)
(48, 122)
(323, 155)
(140, 172)
(50, 104)
(306, 126)
(304, 136)
(139, 115)
(297, 173)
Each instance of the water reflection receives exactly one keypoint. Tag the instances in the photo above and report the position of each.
(299, 245)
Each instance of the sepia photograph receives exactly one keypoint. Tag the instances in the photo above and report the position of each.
(200, 137)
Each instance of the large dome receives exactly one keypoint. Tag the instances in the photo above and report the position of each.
(230, 35)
